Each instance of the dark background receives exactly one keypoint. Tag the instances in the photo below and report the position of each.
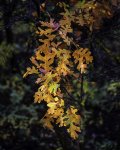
(20, 127)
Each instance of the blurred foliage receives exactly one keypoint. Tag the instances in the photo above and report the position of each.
(20, 127)
(5, 53)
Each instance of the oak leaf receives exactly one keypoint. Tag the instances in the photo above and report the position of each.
(29, 71)
(82, 58)
(72, 121)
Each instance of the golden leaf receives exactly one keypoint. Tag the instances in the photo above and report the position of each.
(72, 121)
(32, 70)
(52, 106)
(82, 57)
(59, 115)
(44, 32)
(63, 56)
(48, 97)
(46, 58)
(38, 97)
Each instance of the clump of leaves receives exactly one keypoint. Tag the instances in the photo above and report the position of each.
(59, 59)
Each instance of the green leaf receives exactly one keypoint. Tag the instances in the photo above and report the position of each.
(53, 87)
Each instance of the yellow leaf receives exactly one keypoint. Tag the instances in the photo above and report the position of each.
(73, 129)
(50, 77)
(52, 106)
(59, 115)
(63, 56)
(32, 70)
(38, 97)
(45, 32)
(72, 122)
(46, 58)
(82, 66)
(48, 97)
(82, 57)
